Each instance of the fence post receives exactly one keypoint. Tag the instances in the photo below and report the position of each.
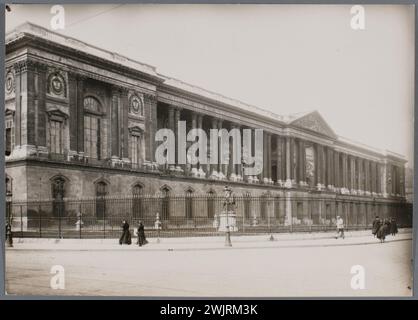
(40, 220)
(81, 218)
(59, 219)
(21, 221)
(104, 220)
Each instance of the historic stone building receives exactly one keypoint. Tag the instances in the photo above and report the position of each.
(81, 122)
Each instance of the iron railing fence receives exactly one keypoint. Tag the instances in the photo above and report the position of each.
(196, 215)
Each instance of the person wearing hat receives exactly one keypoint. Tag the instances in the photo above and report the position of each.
(340, 227)
(376, 225)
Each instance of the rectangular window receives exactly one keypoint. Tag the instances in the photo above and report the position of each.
(92, 137)
(9, 137)
(135, 149)
(55, 137)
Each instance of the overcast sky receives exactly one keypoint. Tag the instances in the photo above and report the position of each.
(283, 58)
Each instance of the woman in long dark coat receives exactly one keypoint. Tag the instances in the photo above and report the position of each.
(126, 234)
(141, 235)
(376, 225)
(393, 227)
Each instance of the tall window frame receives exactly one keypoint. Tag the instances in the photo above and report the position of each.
(94, 122)
(9, 135)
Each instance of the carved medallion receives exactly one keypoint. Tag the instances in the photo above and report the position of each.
(136, 105)
(10, 81)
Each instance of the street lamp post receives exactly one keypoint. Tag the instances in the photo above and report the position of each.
(9, 234)
(271, 238)
(228, 202)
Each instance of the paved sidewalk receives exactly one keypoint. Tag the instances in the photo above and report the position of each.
(282, 240)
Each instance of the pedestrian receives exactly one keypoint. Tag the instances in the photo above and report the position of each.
(376, 225)
(340, 228)
(383, 231)
(387, 222)
(126, 234)
(393, 227)
(141, 235)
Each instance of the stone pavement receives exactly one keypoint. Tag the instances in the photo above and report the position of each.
(282, 240)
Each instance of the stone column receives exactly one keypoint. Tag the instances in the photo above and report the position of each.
(374, 176)
(337, 183)
(319, 166)
(302, 160)
(194, 126)
(150, 115)
(378, 178)
(279, 158)
(200, 126)
(324, 166)
(222, 168)
(288, 164)
(124, 132)
(40, 91)
(402, 181)
(114, 124)
(293, 160)
(18, 93)
(25, 131)
(331, 167)
(269, 158)
(177, 115)
(353, 175)
(214, 167)
(367, 175)
(239, 165)
(345, 172)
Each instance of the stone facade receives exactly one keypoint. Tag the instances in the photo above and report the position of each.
(88, 117)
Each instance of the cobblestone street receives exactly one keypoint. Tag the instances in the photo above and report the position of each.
(204, 267)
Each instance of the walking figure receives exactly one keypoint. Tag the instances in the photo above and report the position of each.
(393, 227)
(340, 228)
(383, 231)
(126, 234)
(141, 235)
(376, 225)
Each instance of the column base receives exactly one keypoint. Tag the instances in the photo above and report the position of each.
(194, 172)
(345, 191)
(320, 187)
(201, 173)
(214, 175)
(289, 184)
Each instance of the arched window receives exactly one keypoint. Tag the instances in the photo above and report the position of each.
(165, 203)
(137, 210)
(58, 193)
(189, 204)
(101, 192)
(95, 141)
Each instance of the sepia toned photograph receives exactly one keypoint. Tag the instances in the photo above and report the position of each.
(209, 150)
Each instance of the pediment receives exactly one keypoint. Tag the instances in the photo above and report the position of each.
(314, 122)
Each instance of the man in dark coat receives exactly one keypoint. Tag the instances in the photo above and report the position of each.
(126, 234)
(393, 227)
(376, 225)
(141, 235)
(383, 231)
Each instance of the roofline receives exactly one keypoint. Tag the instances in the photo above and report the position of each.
(31, 30)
